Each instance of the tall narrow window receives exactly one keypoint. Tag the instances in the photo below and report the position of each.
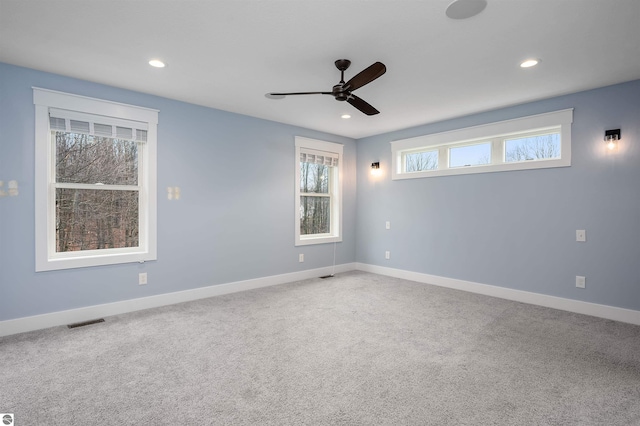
(318, 192)
(315, 198)
(95, 182)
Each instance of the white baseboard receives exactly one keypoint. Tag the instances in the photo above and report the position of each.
(601, 311)
(53, 319)
(37, 322)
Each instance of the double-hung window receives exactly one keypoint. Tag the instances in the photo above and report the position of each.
(95, 182)
(318, 192)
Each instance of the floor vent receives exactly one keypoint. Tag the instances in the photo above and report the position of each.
(82, 324)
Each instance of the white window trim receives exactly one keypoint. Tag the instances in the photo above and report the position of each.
(46, 257)
(336, 208)
(487, 132)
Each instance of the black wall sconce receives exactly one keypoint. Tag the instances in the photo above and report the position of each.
(611, 137)
(375, 168)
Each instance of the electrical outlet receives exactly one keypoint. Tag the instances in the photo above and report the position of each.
(387, 255)
(580, 281)
(301, 257)
(142, 278)
(388, 225)
(581, 235)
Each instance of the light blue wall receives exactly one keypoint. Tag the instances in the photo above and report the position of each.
(510, 229)
(235, 220)
(517, 229)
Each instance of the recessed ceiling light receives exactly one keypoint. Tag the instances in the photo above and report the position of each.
(345, 116)
(464, 9)
(529, 63)
(156, 63)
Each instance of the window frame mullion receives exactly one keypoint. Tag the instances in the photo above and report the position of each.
(314, 194)
(93, 186)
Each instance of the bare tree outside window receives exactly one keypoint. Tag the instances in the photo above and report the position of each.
(533, 148)
(315, 199)
(104, 217)
(419, 161)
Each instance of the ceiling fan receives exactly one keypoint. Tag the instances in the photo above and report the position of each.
(342, 91)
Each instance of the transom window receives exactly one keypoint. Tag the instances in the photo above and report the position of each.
(420, 161)
(95, 182)
(538, 141)
(318, 192)
(477, 154)
(537, 146)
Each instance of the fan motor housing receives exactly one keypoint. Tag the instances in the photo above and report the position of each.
(340, 93)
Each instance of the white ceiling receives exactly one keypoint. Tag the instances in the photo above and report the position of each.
(227, 54)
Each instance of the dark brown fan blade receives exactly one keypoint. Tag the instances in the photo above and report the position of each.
(362, 105)
(282, 95)
(366, 76)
